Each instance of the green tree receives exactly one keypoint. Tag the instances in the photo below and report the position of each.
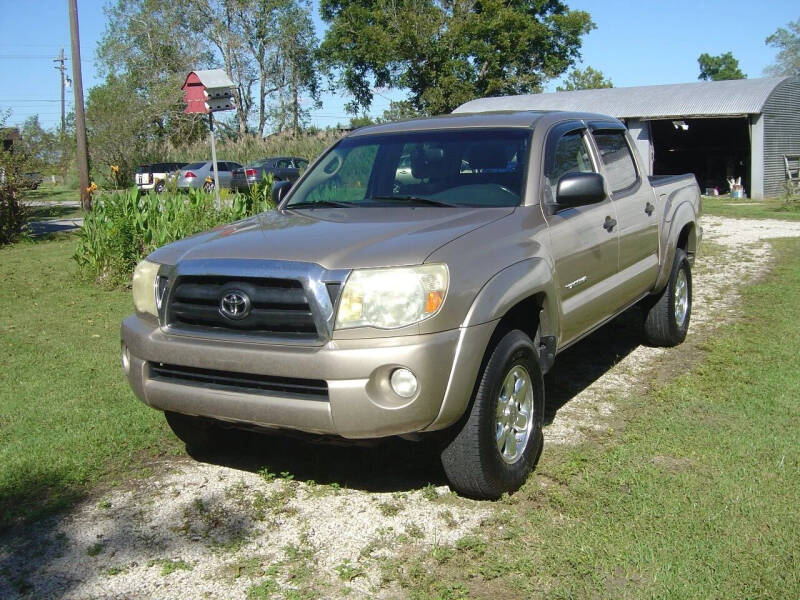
(445, 52)
(719, 68)
(42, 148)
(585, 79)
(398, 111)
(787, 41)
(151, 46)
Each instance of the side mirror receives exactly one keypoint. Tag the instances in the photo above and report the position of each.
(580, 189)
(279, 189)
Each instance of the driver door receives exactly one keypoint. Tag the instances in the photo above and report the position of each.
(585, 249)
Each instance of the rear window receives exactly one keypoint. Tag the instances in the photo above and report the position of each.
(197, 165)
(143, 169)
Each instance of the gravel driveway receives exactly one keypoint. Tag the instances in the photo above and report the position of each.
(219, 526)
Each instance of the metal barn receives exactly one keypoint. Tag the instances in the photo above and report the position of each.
(714, 129)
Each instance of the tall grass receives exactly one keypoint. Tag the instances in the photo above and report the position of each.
(124, 227)
(250, 148)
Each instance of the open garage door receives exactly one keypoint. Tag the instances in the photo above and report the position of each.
(714, 149)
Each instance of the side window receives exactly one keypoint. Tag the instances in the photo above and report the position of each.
(301, 163)
(283, 163)
(570, 155)
(617, 159)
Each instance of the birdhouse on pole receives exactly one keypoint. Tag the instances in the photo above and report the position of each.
(208, 91)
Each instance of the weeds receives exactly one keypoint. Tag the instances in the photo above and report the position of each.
(169, 566)
(125, 226)
(348, 571)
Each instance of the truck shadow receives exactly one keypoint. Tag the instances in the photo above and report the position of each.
(579, 366)
(395, 464)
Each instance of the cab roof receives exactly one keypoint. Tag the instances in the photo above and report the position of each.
(507, 118)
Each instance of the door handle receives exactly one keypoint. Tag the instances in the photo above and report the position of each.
(649, 208)
(609, 224)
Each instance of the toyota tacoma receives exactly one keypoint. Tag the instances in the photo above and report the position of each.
(420, 277)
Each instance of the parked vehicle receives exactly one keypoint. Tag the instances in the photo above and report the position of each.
(154, 177)
(367, 306)
(201, 175)
(282, 168)
(32, 179)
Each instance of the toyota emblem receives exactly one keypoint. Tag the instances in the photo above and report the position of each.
(235, 305)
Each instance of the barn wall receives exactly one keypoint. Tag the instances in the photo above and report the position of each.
(781, 133)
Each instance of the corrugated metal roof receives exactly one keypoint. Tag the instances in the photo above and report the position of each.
(214, 78)
(705, 98)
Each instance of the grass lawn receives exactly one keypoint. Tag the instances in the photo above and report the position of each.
(67, 417)
(48, 192)
(750, 209)
(696, 497)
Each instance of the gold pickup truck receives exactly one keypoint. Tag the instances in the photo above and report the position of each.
(418, 279)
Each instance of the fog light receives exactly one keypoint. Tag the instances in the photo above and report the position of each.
(404, 383)
(126, 359)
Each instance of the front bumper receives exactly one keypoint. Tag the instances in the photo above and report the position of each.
(360, 402)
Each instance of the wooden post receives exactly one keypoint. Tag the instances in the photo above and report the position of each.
(214, 159)
(80, 116)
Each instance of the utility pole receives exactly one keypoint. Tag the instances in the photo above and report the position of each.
(61, 66)
(80, 116)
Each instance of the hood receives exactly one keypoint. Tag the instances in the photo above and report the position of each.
(336, 238)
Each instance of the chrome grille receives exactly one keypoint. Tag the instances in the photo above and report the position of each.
(279, 307)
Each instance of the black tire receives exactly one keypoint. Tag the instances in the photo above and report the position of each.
(472, 460)
(196, 432)
(662, 325)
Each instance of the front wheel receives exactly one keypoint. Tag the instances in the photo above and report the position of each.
(501, 439)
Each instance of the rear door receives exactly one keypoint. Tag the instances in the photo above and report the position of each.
(634, 202)
(585, 251)
(284, 168)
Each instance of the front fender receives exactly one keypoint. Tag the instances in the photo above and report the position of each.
(512, 285)
(509, 287)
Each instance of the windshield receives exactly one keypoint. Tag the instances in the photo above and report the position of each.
(475, 167)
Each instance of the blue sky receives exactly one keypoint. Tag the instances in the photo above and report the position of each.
(635, 43)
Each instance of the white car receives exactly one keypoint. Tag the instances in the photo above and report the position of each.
(154, 177)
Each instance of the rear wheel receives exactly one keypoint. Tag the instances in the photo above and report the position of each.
(668, 315)
(501, 439)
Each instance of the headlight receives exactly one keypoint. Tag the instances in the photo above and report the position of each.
(144, 287)
(391, 298)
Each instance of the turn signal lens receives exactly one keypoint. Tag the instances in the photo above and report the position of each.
(434, 301)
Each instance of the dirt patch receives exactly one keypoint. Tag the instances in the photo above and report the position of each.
(218, 530)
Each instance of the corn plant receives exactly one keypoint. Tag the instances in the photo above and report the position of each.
(125, 226)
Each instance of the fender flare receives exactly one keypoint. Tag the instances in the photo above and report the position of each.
(506, 289)
(512, 285)
(684, 215)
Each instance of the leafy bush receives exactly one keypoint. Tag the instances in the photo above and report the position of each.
(13, 213)
(124, 227)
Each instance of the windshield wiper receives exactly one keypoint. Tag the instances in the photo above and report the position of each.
(321, 203)
(417, 199)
